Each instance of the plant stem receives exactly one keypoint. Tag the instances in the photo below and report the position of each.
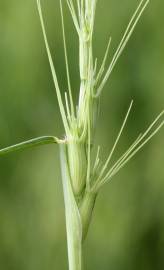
(73, 220)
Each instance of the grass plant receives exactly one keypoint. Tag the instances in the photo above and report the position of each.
(83, 174)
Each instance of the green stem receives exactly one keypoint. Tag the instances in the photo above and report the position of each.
(73, 220)
(29, 144)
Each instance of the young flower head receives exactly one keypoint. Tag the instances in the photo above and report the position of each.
(80, 123)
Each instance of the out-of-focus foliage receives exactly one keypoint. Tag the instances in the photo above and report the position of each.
(127, 228)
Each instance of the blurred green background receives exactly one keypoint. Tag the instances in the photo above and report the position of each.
(127, 231)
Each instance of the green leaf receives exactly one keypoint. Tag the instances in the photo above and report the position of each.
(29, 144)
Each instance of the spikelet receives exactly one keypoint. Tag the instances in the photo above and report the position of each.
(78, 165)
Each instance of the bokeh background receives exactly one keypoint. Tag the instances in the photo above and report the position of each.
(127, 231)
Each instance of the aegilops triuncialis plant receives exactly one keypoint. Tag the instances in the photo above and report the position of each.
(83, 174)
